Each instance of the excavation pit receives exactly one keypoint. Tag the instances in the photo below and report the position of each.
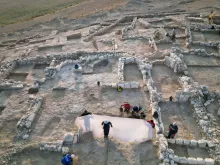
(213, 108)
(181, 42)
(193, 60)
(103, 66)
(74, 37)
(142, 44)
(198, 36)
(212, 36)
(165, 80)
(36, 156)
(209, 49)
(23, 68)
(38, 71)
(7, 133)
(182, 114)
(58, 93)
(18, 76)
(206, 76)
(177, 30)
(132, 73)
(164, 46)
(50, 49)
(187, 151)
(41, 66)
(112, 99)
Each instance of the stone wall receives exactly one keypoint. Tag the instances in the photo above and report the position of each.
(6, 68)
(11, 85)
(130, 27)
(92, 58)
(175, 61)
(104, 30)
(25, 123)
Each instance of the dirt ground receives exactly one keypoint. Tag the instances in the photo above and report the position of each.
(61, 107)
(165, 80)
(182, 114)
(184, 151)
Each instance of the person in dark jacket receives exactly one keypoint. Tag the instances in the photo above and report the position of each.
(106, 127)
(173, 129)
(86, 113)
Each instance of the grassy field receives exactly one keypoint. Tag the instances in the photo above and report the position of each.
(12, 11)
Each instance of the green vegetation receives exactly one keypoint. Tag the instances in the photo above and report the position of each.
(26, 10)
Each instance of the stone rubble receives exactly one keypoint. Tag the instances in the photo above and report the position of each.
(25, 123)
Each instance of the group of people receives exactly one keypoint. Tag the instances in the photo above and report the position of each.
(126, 107)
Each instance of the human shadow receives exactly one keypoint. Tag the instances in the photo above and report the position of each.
(87, 122)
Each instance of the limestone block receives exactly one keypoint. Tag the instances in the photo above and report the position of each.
(161, 156)
(176, 159)
(202, 143)
(193, 143)
(163, 147)
(183, 160)
(219, 112)
(172, 141)
(179, 141)
(166, 160)
(171, 156)
(25, 137)
(68, 139)
(210, 144)
(200, 161)
(114, 85)
(209, 161)
(172, 162)
(170, 151)
(121, 85)
(65, 150)
(127, 85)
(28, 124)
(192, 161)
(134, 84)
(186, 142)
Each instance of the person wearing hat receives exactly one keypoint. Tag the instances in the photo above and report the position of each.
(173, 129)
(106, 127)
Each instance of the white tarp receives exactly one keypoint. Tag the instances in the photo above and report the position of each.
(125, 129)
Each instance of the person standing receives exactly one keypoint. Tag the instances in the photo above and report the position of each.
(173, 35)
(173, 129)
(106, 127)
(211, 15)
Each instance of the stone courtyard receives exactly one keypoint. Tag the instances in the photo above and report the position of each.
(42, 94)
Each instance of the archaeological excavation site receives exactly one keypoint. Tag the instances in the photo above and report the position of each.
(164, 61)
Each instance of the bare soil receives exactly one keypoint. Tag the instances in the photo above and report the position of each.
(184, 151)
(165, 80)
(182, 114)
(62, 107)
